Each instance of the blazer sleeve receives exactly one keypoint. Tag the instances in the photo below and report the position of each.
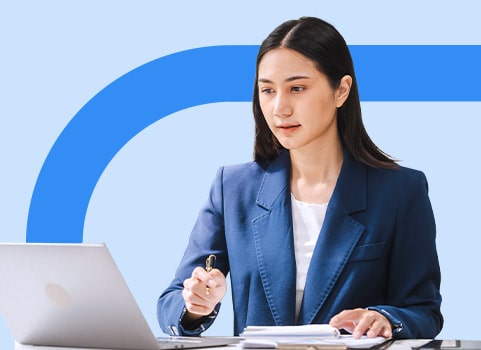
(413, 300)
(207, 237)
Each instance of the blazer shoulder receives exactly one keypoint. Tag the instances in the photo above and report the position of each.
(399, 178)
(399, 173)
(241, 172)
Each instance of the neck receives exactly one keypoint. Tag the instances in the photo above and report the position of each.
(314, 174)
(315, 166)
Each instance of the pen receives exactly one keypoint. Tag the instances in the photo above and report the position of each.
(209, 265)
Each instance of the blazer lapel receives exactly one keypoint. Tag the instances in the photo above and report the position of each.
(274, 241)
(337, 239)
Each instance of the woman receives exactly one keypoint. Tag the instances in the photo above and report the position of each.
(322, 227)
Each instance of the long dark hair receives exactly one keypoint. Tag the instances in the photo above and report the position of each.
(323, 44)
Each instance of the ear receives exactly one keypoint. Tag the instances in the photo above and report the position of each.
(342, 92)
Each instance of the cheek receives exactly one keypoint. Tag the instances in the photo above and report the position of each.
(327, 107)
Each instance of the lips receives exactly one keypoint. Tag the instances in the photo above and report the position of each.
(288, 129)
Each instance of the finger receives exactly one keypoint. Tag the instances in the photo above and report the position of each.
(339, 323)
(347, 319)
(377, 329)
(212, 290)
(380, 325)
(205, 280)
(190, 296)
(198, 290)
(215, 278)
(210, 280)
(351, 314)
(365, 323)
(372, 324)
(193, 284)
(387, 333)
(195, 304)
(201, 274)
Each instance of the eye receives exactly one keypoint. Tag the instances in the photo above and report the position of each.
(297, 88)
(266, 90)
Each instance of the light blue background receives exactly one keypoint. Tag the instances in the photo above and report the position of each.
(56, 55)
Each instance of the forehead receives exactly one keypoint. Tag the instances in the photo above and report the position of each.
(283, 62)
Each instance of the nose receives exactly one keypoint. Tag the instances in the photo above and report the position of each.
(282, 106)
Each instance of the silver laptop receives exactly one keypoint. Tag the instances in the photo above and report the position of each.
(74, 295)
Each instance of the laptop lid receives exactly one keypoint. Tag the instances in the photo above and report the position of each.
(55, 294)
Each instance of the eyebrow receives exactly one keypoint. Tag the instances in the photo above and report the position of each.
(293, 78)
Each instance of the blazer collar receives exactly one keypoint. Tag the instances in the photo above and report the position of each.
(274, 241)
(275, 181)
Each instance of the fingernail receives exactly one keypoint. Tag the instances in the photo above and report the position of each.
(211, 283)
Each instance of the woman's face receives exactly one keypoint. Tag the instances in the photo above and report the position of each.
(297, 101)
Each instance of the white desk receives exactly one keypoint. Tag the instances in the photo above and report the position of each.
(397, 345)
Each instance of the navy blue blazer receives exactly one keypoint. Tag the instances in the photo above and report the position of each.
(375, 250)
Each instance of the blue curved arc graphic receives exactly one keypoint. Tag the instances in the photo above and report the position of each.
(118, 113)
(195, 77)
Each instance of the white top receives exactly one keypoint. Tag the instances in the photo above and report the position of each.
(307, 220)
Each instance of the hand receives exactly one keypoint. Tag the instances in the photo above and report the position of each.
(362, 321)
(203, 291)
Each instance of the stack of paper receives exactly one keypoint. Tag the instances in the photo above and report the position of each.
(314, 336)
(309, 330)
